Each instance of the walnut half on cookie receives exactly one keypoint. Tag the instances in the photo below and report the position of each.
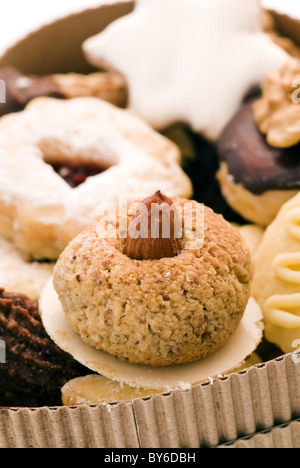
(277, 113)
(178, 305)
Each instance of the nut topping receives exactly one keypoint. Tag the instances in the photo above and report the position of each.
(277, 113)
(154, 231)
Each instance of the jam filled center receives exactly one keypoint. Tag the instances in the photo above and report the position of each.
(77, 174)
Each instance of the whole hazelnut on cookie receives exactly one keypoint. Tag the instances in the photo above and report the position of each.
(151, 246)
(162, 282)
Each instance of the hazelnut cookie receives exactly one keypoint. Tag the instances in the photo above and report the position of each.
(155, 300)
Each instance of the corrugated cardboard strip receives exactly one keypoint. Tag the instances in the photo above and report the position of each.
(286, 436)
(208, 415)
(82, 427)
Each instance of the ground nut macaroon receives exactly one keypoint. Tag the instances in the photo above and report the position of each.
(161, 311)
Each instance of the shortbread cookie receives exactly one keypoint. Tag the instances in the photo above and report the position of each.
(95, 389)
(155, 301)
(84, 136)
(276, 284)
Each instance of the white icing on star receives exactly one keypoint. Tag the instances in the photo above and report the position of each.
(188, 60)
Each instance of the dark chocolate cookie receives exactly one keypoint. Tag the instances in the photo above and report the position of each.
(35, 369)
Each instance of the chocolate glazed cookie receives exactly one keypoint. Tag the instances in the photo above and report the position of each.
(201, 170)
(35, 369)
(255, 178)
(21, 89)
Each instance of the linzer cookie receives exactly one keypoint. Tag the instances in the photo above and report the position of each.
(69, 160)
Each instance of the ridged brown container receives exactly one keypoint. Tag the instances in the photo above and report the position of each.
(256, 408)
(222, 411)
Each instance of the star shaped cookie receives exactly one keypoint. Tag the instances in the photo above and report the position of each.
(189, 61)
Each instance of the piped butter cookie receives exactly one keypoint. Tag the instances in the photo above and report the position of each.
(276, 283)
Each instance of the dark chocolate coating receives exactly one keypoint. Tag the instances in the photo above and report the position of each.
(35, 368)
(202, 171)
(17, 97)
(252, 162)
(12, 104)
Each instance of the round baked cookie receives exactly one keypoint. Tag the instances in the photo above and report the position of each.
(256, 179)
(95, 389)
(156, 310)
(108, 151)
(21, 89)
(276, 282)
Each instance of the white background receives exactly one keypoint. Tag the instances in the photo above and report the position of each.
(19, 17)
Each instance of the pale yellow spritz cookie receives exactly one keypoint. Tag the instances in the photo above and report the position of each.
(276, 284)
